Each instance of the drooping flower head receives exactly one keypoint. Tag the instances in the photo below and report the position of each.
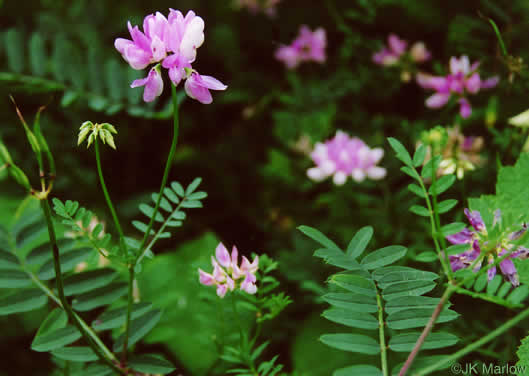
(227, 275)
(482, 245)
(308, 46)
(171, 42)
(344, 156)
(463, 80)
(396, 53)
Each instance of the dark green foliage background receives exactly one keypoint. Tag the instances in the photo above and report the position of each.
(242, 144)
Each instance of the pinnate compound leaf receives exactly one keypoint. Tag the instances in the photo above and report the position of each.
(384, 256)
(75, 354)
(359, 242)
(319, 237)
(153, 364)
(351, 342)
(55, 339)
(22, 301)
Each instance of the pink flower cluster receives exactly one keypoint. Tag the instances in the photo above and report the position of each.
(227, 274)
(462, 80)
(173, 41)
(396, 49)
(268, 7)
(344, 156)
(308, 46)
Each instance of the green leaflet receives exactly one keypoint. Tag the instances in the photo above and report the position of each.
(406, 341)
(382, 257)
(317, 236)
(55, 339)
(86, 281)
(22, 301)
(359, 242)
(116, 317)
(100, 297)
(354, 283)
(363, 370)
(151, 364)
(352, 342)
(352, 302)
(357, 320)
(139, 328)
(416, 318)
(14, 279)
(75, 354)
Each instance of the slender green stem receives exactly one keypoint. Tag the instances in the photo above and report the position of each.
(495, 333)
(382, 338)
(160, 230)
(129, 310)
(168, 165)
(105, 191)
(431, 210)
(60, 289)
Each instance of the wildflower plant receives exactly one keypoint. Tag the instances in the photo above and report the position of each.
(172, 42)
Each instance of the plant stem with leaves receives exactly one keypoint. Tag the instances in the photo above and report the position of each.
(102, 353)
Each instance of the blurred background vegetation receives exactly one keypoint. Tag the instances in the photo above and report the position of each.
(249, 146)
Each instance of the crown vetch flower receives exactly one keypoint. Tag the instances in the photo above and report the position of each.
(227, 275)
(462, 80)
(171, 42)
(308, 46)
(481, 245)
(344, 156)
